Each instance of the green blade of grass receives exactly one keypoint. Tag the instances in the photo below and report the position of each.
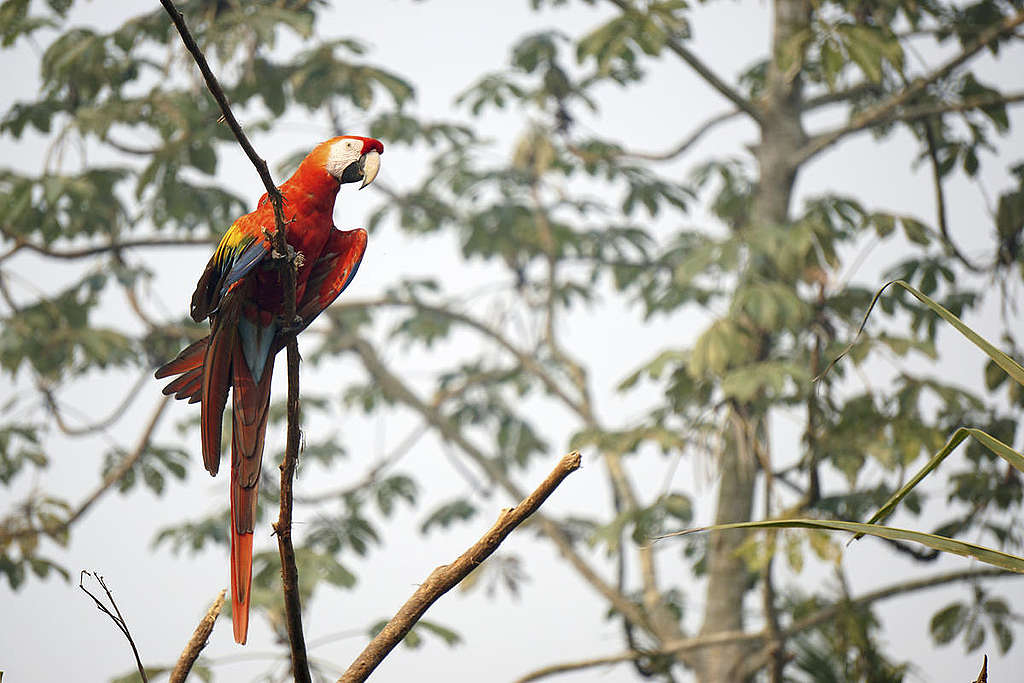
(987, 440)
(989, 556)
(1010, 366)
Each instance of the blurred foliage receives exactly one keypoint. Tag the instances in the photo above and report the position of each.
(565, 220)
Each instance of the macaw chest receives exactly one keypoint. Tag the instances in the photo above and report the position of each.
(307, 235)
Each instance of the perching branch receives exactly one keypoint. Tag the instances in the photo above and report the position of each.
(286, 264)
(115, 616)
(888, 110)
(198, 641)
(446, 577)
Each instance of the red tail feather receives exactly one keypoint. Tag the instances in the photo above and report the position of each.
(250, 408)
(241, 580)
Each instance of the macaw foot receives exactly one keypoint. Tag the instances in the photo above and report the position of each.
(290, 327)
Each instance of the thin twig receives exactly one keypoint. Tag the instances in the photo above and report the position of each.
(115, 616)
(286, 265)
(446, 577)
(198, 641)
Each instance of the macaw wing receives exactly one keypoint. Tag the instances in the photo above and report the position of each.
(242, 247)
(332, 272)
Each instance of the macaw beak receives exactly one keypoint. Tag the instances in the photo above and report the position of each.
(369, 165)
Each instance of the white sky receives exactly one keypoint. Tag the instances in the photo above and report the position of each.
(442, 47)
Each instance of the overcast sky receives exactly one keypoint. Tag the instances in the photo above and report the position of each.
(52, 632)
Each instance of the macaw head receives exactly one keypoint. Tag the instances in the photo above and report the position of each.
(351, 158)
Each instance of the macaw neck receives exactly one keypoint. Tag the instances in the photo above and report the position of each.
(312, 187)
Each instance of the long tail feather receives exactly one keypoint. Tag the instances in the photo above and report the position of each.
(241, 580)
(250, 409)
(216, 381)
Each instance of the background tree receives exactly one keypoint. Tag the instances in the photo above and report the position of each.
(488, 269)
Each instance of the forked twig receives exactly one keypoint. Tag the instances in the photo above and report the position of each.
(115, 616)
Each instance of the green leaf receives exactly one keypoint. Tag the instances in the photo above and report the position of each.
(448, 513)
(948, 622)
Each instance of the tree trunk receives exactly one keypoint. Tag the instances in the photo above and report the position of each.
(782, 135)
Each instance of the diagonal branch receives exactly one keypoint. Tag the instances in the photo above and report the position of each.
(701, 68)
(394, 387)
(446, 577)
(213, 85)
(888, 110)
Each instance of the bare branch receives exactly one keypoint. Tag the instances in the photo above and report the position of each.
(446, 577)
(115, 616)
(283, 527)
(198, 641)
(983, 674)
(888, 110)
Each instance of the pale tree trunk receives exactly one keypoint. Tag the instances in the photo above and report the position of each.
(782, 135)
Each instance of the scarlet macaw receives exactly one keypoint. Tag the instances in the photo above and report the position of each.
(241, 293)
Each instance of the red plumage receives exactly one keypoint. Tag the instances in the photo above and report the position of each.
(240, 291)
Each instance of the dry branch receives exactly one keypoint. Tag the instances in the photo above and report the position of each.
(198, 641)
(286, 264)
(446, 577)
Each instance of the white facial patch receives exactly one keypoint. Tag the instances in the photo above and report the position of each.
(343, 152)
